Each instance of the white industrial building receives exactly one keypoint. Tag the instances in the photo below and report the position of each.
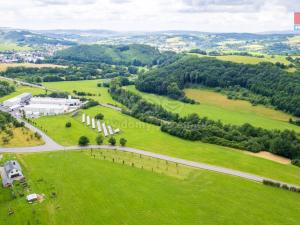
(34, 110)
(18, 100)
(40, 106)
(55, 101)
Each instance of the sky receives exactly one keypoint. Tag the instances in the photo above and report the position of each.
(151, 15)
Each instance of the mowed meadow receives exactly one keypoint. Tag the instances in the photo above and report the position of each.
(80, 190)
(253, 59)
(149, 137)
(88, 86)
(217, 107)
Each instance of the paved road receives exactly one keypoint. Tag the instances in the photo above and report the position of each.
(51, 145)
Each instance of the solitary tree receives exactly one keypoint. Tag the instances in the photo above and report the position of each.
(68, 124)
(123, 141)
(112, 141)
(83, 141)
(99, 139)
(99, 116)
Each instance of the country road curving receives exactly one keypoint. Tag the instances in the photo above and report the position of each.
(51, 145)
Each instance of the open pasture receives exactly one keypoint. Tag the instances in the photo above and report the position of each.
(82, 190)
(149, 137)
(88, 86)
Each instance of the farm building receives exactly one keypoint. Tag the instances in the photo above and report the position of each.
(18, 100)
(40, 106)
(11, 171)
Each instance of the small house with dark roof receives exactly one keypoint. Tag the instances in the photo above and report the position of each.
(11, 171)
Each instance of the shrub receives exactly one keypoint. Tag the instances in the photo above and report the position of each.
(90, 104)
(99, 139)
(83, 141)
(68, 124)
(99, 116)
(37, 135)
(123, 141)
(296, 162)
(112, 141)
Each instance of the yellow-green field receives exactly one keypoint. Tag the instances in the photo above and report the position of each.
(13, 47)
(4, 66)
(252, 59)
(217, 107)
(22, 137)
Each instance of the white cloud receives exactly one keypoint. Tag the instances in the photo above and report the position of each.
(202, 15)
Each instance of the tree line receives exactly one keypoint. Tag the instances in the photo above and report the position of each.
(284, 143)
(277, 87)
(87, 71)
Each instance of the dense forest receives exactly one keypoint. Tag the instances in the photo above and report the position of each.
(6, 88)
(267, 81)
(284, 143)
(87, 71)
(135, 54)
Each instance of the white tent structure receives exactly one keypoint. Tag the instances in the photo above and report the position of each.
(93, 123)
(88, 120)
(110, 130)
(104, 130)
(99, 126)
(117, 131)
(83, 118)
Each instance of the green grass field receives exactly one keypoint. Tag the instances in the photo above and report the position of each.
(213, 105)
(5, 46)
(92, 191)
(149, 137)
(217, 107)
(90, 86)
(253, 59)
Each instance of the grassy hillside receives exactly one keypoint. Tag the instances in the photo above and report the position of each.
(216, 106)
(92, 191)
(253, 59)
(149, 137)
(89, 86)
(126, 54)
(213, 105)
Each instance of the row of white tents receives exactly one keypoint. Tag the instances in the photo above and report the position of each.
(101, 126)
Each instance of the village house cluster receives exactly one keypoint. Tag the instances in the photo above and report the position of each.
(33, 107)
